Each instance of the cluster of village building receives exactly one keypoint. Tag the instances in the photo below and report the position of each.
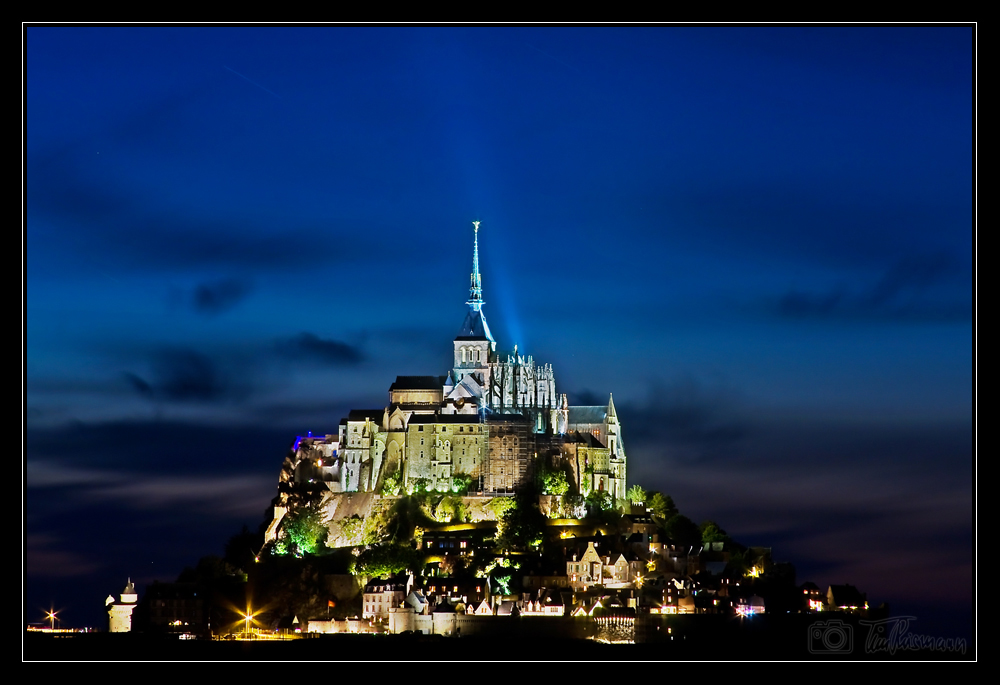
(622, 576)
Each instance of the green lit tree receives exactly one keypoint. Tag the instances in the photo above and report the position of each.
(599, 501)
(555, 483)
(419, 485)
(387, 559)
(662, 506)
(501, 505)
(521, 526)
(305, 530)
(587, 481)
(393, 483)
(460, 484)
(450, 509)
(636, 495)
(711, 532)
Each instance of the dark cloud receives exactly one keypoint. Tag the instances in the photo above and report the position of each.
(139, 385)
(909, 277)
(695, 421)
(184, 375)
(314, 414)
(911, 290)
(161, 447)
(308, 347)
(220, 296)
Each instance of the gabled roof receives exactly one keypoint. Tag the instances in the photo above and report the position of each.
(444, 418)
(362, 414)
(588, 414)
(418, 383)
(417, 600)
(845, 596)
(507, 608)
(397, 584)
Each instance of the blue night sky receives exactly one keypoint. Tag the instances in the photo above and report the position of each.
(759, 239)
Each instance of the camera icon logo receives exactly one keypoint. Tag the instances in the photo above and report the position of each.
(831, 637)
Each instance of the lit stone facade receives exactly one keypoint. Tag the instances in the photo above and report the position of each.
(120, 613)
(490, 419)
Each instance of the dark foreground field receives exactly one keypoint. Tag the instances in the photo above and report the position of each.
(692, 639)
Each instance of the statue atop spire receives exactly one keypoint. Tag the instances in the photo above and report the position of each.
(476, 286)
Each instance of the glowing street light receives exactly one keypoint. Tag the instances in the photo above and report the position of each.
(248, 619)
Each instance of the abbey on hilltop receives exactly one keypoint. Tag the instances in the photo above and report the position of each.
(486, 424)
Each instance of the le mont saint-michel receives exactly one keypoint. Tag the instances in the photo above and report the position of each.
(482, 503)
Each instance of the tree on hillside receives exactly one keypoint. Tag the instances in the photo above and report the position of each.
(636, 495)
(450, 509)
(683, 531)
(305, 530)
(599, 501)
(393, 483)
(554, 482)
(418, 485)
(711, 532)
(461, 483)
(662, 506)
(521, 526)
(388, 559)
(404, 517)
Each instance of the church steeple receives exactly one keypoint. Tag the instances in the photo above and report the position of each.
(474, 345)
(476, 287)
(474, 326)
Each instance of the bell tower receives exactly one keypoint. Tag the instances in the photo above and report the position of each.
(474, 344)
